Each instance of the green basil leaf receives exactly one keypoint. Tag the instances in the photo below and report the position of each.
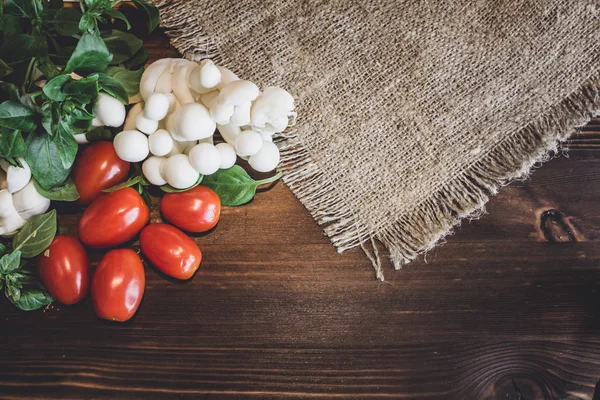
(13, 293)
(2, 249)
(138, 60)
(170, 189)
(54, 88)
(98, 134)
(10, 25)
(12, 144)
(151, 12)
(66, 145)
(20, 8)
(18, 52)
(47, 67)
(122, 45)
(33, 299)
(4, 69)
(82, 91)
(90, 55)
(48, 156)
(36, 235)
(66, 21)
(14, 115)
(9, 91)
(10, 262)
(66, 192)
(129, 80)
(87, 22)
(234, 186)
(118, 15)
(128, 183)
(112, 86)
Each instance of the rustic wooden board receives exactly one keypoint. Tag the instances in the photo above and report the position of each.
(508, 308)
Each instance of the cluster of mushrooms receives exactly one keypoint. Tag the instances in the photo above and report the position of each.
(19, 199)
(181, 104)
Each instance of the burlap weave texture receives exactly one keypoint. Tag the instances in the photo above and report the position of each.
(411, 113)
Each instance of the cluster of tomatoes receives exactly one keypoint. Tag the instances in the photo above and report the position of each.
(112, 219)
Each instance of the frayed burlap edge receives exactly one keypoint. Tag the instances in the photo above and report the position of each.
(418, 231)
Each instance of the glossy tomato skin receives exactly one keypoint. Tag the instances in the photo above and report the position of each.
(64, 269)
(170, 250)
(195, 210)
(113, 219)
(97, 168)
(118, 285)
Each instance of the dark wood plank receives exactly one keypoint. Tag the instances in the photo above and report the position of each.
(508, 308)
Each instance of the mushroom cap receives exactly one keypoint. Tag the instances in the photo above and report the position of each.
(152, 170)
(271, 109)
(131, 146)
(227, 76)
(145, 125)
(178, 172)
(248, 143)
(192, 121)
(28, 202)
(205, 77)
(205, 158)
(133, 112)
(229, 132)
(160, 142)
(266, 159)
(266, 136)
(109, 110)
(16, 177)
(10, 220)
(157, 107)
(227, 155)
(234, 94)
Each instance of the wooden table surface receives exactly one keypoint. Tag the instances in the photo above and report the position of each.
(508, 308)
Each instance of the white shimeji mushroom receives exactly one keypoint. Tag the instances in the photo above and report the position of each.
(16, 177)
(227, 155)
(248, 143)
(28, 202)
(156, 107)
(271, 110)
(108, 111)
(192, 121)
(160, 142)
(178, 172)
(266, 159)
(233, 99)
(10, 220)
(205, 158)
(131, 146)
(152, 170)
(205, 77)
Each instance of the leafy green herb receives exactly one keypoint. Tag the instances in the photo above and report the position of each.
(129, 80)
(12, 144)
(112, 86)
(66, 21)
(122, 45)
(10, 262)
(234, 186)
(54, 88)
(32, 299)
(14, 115)
(36, 235)
(66, 192)
(98, 134)
(128, 183)
(49, 157)
(90, 55)
(152, 14)
(170, 189)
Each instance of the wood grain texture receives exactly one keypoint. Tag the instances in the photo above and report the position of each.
(508, 308)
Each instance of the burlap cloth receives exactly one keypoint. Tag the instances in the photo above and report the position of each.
(411, 113)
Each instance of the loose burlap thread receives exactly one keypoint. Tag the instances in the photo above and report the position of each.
(411, 113)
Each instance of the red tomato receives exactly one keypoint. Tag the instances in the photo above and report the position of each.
(97, 168)
(170, 250)
(195, 210)
(65, 269)
(113, 219)
(118, 285)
